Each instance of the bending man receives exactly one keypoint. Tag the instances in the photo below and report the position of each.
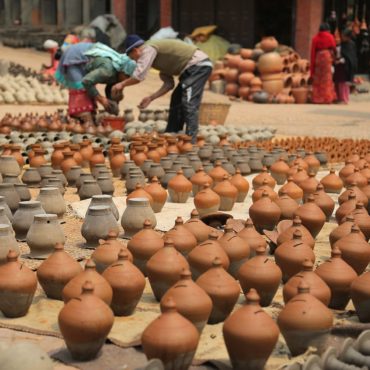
(171, 58)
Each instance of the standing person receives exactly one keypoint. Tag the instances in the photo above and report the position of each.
(171, 58)
(85, 65)
(323, 52)
(345, 66)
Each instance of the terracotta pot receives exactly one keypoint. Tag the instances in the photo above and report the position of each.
(9, 165)
(10, 195)
(262, 274)
(227, 193)
(217, 173)
(353, 188)
(16, 153)
(318, 287)
(158, 194)
(207, 201)
(324, 201)
(269, 43)
(108, 250)
(293, 190)
(270, 63)
(291, 254)
(312, 216)
(304, 322)
(97, 157)
(232, 89)
(231, 75)
(300, 94)
(258, 180)
(360, 296)
(357, 177)
(202, 256)
(117, 160)
(104, 200)
(246, 65)
(137, 211)
(287, 206)
(85, 322)
(346, 208)
(273, 87)
(86, 152)
(17, 287)
(56, 271)
(199, 180)
(362, 219)
(245, 78)
(171, 338)
(68, 161)
(127, 282)
(338, 275)
(197, 227)
(164, 268)
(222, 289)
(264, 213)
(102, 289)
(179, 188)
(191, 300)
(342, 230)
(7, 242)
(52, 201)
(139, 192)
(31, 177)
(265, 188)
(241, 184)
(250, 335)
(252, 237)
(38, 159)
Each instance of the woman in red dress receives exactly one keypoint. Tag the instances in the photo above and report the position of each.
(322, 55)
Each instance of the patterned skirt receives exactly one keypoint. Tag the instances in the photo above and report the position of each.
(80, 102)
(323, 91)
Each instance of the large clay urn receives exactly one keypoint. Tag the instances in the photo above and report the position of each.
(264, 213)
(332, 183)
(127, 283)
(144, 244)
(250, 335)
(236, 248)
(222, 288)
(171, 338)
(279, 171)
(179, 188)
(102, 288)
(338, 275)
(292, 189)
(183, 240)
(197, 227)
(291, 254)
(324, 201)
(360, 295)
(200, 179)
(305, 321)
(355, 250)
(252, 237)
(262, 274)
(164, 268)
(202, 256)
(311, 216)
(56, 271)
(17, 287)
(85, 322)
(68, 161)
(191, 300)
(158, 194)
(318, 287)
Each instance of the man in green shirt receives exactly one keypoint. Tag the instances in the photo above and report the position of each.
(171, 58)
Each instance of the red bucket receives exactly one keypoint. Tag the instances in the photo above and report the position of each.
(117, 123)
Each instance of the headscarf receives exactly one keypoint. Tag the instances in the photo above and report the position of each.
(120, 62)
(324, 40)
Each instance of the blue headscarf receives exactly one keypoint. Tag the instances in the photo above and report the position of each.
(121, 62)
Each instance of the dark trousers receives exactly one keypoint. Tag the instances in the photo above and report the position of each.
(186, 99)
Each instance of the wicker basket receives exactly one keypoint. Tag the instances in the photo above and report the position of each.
(216, 112)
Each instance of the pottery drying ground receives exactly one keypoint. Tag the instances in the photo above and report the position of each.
(340, 121)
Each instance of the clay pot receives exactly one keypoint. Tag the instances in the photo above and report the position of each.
(207, 201)
(279, 171)
(10, 195)
(332, 183)
(252, 237)
(88, 189)
(164, 268)
(86, 152)
(236, 248)
(300, 175)
(108, 250)
(355, 250)
(217, 173)
(202, 256)
(318, 287)
(262, 274)
(360, 296)
(183, 240)
(257, 194)
(293, 190)
(222, 289)
(16, 153)
(17, 287)
(56, 271)
(7, 242)
(199, 180)
(245, 78)
(97, 224)
(171, 338)
(309, 185)
(52, 201)
(342, 230)
(300, 94)
(347, 170)
(97, 157)
(23, 217)
(362, 219)
(85, 322)
(241, 185)
(57, 156)
(287, 206)
(356, 177)
(353, 188)
(139, 192)
(268, 43)
(338, 275)
(197, 227)
(179, 188)
(346, 208)
(9, 165)
(38, 158)
(270, 63)
(31, 177)
(324, 201)
(68, 161)
(158, 194)
(227, 193)
(291, 254)
(273, 87)
(250, 335)
(7, 210)
(102, 289)
(127, 283)
(311, 216)
(288, 233)
(137, 211)
(44, 225)
(23, 191)
(117, 160)
(104, 200)
(264, 213)
(156, 170)
(305, 321)
(246, 65)
(192, 301)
